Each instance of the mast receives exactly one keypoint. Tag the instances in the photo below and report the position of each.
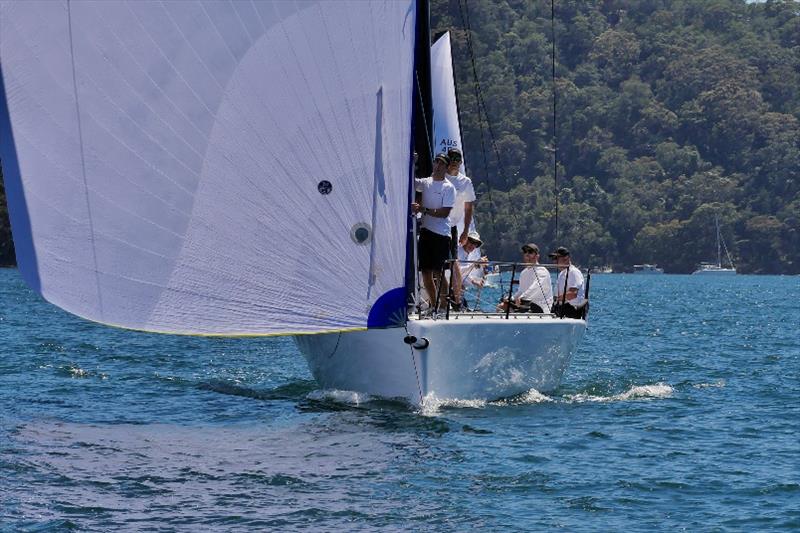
(719, 247)
(422, 133)
(422, 121)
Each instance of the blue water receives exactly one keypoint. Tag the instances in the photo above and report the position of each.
(680, 411)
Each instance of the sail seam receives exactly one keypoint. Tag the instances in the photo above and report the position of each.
(83, 158)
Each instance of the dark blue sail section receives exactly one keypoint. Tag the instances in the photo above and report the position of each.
(389, 310)
(17, 206)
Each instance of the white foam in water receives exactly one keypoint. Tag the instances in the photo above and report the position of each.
(534, 396)
(659, 390)
(717, 384)
(530, 397)
(341, 396)
(431, 404)
(77, 372)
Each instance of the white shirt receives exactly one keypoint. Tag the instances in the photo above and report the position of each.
(465, 192)
(573, 281)
(535, 286)
(471, 274)
(436, 194)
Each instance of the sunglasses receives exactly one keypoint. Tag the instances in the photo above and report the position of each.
(529, 251)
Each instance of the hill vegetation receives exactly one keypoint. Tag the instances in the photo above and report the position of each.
(670, 112)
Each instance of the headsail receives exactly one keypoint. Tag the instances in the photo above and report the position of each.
(446, 127)
(210, 167)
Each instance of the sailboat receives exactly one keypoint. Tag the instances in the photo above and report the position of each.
(245, 169)
(716, 268)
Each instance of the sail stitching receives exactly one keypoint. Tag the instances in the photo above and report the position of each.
(83, 158)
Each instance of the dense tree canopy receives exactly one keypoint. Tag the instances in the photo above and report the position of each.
(670, 113)
(6, 245)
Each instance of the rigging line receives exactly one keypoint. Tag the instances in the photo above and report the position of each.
(83, 160)
(481, 103)
(555, 131)
(424, 118)
(476, 85)
(414, 361)
(480, 95)
(337, 345)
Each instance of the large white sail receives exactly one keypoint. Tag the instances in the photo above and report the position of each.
(210, 167)
(446, 128)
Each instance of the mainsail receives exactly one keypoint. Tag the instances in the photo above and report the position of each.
(210, 167)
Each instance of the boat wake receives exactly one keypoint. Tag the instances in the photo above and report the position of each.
(432, 405)
(291, 391)
(340, 396)
(637, 392)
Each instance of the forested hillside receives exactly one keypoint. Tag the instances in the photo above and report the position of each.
(6, 245)
(669, 113)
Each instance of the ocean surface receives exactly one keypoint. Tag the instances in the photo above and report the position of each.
(679, 412)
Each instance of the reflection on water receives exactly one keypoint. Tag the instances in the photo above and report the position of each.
(154, 472)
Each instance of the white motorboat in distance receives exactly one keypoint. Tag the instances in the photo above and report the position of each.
(647, 269)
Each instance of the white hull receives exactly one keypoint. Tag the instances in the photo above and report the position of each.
(468, 357)
(715, 272)
(647, 269)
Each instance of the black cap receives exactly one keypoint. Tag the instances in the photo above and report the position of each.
(560, 252)
(455, 155)
(443, 157)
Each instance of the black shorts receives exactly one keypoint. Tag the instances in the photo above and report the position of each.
(567, 311)
(526, 306)
(434, 250)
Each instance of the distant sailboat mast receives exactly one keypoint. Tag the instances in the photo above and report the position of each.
(717, 268)
(721, 244)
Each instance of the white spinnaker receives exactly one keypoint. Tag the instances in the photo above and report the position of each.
(172, 156)
(446, 129)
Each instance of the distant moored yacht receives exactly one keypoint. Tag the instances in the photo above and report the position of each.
(717, 268)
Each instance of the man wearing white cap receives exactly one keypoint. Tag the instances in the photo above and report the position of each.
(470, 263)
(569, 286)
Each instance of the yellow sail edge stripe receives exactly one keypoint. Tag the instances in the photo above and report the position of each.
(231, 335)
(188, 334)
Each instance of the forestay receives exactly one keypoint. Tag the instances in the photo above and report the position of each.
(210, 167)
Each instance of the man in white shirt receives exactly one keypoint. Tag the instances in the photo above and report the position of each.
(535, 291)
(471, 262)
(461, 214)
(569, 302)
(436, 197)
